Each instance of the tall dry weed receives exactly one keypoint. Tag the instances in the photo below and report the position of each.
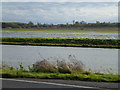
(62, 66)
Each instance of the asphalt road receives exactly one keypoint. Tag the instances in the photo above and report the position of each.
(20, 83)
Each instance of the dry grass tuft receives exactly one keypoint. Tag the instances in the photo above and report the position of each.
(75, 65)
(62, 66)
(44, 66)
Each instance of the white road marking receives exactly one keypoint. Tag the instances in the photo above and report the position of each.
(49, 83)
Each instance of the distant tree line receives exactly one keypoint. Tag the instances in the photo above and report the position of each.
(76, 24)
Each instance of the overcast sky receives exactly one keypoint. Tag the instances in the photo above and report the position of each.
(59, 12)
(60, 0)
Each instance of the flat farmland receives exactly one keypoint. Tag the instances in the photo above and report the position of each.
(102, 33)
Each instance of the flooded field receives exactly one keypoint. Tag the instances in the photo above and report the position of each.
(47, 34)
(95, 59)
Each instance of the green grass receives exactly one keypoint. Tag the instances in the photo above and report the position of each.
(14, 73)
(75, 42)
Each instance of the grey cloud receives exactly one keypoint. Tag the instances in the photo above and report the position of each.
(58, 12)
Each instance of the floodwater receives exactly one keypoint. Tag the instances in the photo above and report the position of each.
(95, 35)
(95, 59)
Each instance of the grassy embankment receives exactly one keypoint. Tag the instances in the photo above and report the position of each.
(74, 42)
(7, 73)
(64, 71)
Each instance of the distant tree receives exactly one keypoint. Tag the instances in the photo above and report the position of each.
(30, 24)
(81, 25)
(73, 21)
(38, 24)
(97, 22)
(76, 23)
(67, 23)
(82, 22)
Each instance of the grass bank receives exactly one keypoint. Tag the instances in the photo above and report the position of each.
(83, 76)
(73, 42)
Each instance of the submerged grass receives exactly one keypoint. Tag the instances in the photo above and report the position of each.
(108, 43)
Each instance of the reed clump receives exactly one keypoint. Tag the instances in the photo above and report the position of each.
(61, 67)
(44, 66)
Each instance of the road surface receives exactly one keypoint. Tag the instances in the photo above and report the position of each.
(37, 83)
